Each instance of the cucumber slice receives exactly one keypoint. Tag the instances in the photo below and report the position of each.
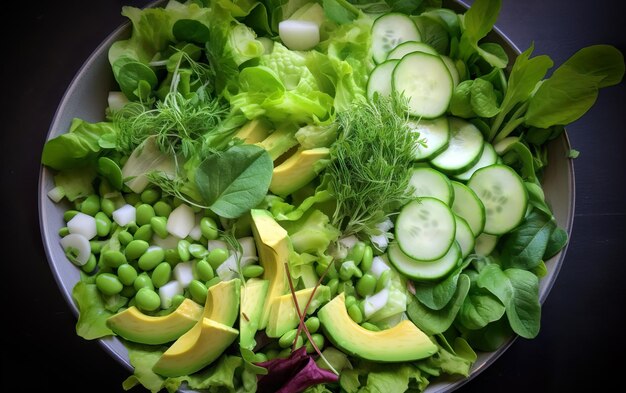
(454, 72)
(464, 149)
(389, 31)
(468, 206)
(380, 79)
(425, 229)
(428, 182)
(409, 47)
(504, 196)
(436, 134)
(464, 236)
(485, 244)
(426, 82)
(424, 270)
(487, 157)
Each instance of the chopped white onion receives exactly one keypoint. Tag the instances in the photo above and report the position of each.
(196, 231)
(168, 291)
(183, 273)
(169, 242)
(80, 245)
(248, 246)
(213, 244)
(180, 221)
(124, 215)
(229, 269)
(56, 194)
(375, 302)
(385, 225)
(299, 34)
(380, 241)
(348, 242)
(83, 224)
(378, 266)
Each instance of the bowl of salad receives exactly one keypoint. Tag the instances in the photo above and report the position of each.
(313, 196)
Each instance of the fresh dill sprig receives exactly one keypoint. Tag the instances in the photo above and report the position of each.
(371, 160)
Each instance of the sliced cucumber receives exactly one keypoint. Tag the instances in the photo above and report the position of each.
(454, 72)
(425, 229)
(487, 157)
(436, 134)
(464, 149)
(424, 270)
(504, 196)
(485, 244)
(380, 79)
(389, 31)
(409, 47)
(464, 236)
(468, 206)
(428, 182)
(426, 82)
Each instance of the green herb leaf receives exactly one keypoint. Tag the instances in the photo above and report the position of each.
(525, 246)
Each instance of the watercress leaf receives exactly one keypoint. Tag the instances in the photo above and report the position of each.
(129, 72)
(479, 309)
(433, 33)
(483, 98)
(234, 181)
(447, 18)
(525, 246)
(558, 240)
(438, 294)
(493, 54)
(525, 75)
(599, 60)
(461, 101)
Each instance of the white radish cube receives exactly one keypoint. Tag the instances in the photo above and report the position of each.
(169, 242)
(299, 34)
(83, 224)
(196, 232)
(213, 244)
(183, 273)
(380, 241)
(80, 247)
(168, 291)
(124, 215)
(248, 246)
(378, 267)
(375, 302)
(180, 221)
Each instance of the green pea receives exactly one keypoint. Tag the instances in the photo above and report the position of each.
(90, 265)
(113, 258)
(108, 284)
(216, 257)
(318, 339)
(103, 224)
(383, 280)
(148, 300)
(159, 226)
(172, 257)
(132, 199)
(366, 285)
(354, 311)
(368, 257)
(150, 195)
(208, 227)
(128, 291)
(136, 249)
(287, 339)
(143, 233)
(204, 270)
(161, 274)
(350, 300)
(69, 214)
(111, 171)
(151, 258)
(143, 214)
(260, 357)
(213, 281)
(312, 324)
(124, 237)
(143, 280)
(91, 205)
(251, 271)
(198, 291)
(64, 231)
(198, 251)
(333, 285)
(162, 209)
(107, 206)
(127, 274)
(356, 253)
(370, 327)
(183, 250)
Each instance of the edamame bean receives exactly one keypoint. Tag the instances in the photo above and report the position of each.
(284, 354)
(127, 274)
(354, 311)
(331, 272)
(198, 291)
(132, 227)
(198, 251)
(370, 327)
(124, 237)
(105, 188)
(108, 284)
(135, 249)
(333, 285)
(90, 265)
(260, 357)
(161, 274)
(251, 271)
(349, 269)
(383, 280)
(318, 339)
(103, 224)
(111, 171)
(312, 324)
(132, 199)
(143, 214)
(162, 209)
(271, 354)
(143, 280)
(368, 257)
(113, 258)
(366, 285)
(159, 226)
(208, 227)
(128, 291)
(177, 300)
(107, 206)
(96, 245)
(151, 258)
(69, 214)
(350, 300)
(287, 339)
(204, 270)
(64, 231)
(91, 205)
(143, 233)
(213, 281)
(216, 257)
(356, 253)
(183, 250)
(148, 300)
(150, 195)
(171, 256)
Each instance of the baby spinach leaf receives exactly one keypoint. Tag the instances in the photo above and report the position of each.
(493, 54)
(433, 33)
(483, 99)
(599, 60)
(236, 180)
(479, 309)
(191, 31)
(558, 240)
(461, 101)
(491, 337)
(438, 294)
(477, 23)
(525, 246)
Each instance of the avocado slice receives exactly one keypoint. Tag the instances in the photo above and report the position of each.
(252, 300)
(279, 142)
(283, 313)
(196, 349)
(401, 343)
(133, 325)
(297, 171)
(272, 243)
(222, 302)
(254, 131)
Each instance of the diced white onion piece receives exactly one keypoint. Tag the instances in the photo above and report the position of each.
(380, 241)
(229, 269)
(117, 100)
(385, 225)
(196, 232)
(183, 273)
(80, 244)
(299, 34)
(124, 215)
(83, 224)
(56, 194)
(213, 244)
(378, 267)
(348, 241)
(168, 291)
(248, 246)
(169, 242)
(375, 302)
(180, 221)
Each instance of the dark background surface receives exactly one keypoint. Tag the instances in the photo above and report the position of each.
(580, 346)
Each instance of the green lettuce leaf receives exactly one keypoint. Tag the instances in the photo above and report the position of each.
(92, 314)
